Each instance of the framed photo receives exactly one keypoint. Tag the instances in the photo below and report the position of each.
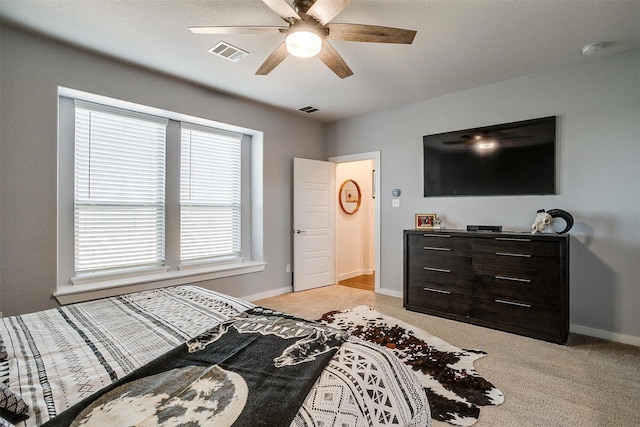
(425, 221)
(351, 196)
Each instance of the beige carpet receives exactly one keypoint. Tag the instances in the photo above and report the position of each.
(589, 382)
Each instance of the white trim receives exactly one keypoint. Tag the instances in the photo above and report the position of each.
(268, 294)
(356, 273)
(153, 111)
(390, 292)
(68, 294)
(605, 335)
(93, 278)
(377, 165)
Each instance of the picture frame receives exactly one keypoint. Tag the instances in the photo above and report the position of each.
(425, 221)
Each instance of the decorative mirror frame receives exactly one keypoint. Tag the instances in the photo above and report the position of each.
(347, 199)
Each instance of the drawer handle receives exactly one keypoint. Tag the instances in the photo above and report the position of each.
(436, 235)
(512, 239)
(440, 291)
(519, 304)
(432, 248)
(439, 270)
(512, 254)
(513, 279)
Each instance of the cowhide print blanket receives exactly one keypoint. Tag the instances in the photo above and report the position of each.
(454, 389)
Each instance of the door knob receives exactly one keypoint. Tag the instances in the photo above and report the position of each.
(299, 231)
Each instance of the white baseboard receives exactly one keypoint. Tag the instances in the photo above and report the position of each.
(351, 274)
(268, 294)
(605, 335)
(389, 292)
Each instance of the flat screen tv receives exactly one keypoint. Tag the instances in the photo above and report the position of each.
(516, 158)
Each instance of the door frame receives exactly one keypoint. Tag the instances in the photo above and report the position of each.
(375, 156)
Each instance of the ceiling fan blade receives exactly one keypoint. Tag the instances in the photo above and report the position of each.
(273, 60)
(370, 33)
(333, 60)
(461, 141)
(238, 30)
(283, 9)
(325, 10)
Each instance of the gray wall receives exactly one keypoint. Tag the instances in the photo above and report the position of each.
(598, 106)
(31, 70)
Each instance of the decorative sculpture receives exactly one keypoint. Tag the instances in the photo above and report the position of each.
(545, 219)
(542, 221)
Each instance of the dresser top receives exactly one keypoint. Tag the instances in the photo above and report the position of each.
(488, 234)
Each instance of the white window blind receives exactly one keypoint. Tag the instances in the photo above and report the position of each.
(119, 189)
(210, 190)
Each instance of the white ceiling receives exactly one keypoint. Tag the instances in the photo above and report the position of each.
(459, 45)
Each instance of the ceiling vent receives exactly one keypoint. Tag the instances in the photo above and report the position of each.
(227, 51)
(308, 109)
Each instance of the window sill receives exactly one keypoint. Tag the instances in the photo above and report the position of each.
(67, 294)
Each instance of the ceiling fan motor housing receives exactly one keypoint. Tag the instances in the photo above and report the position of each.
(301, 6)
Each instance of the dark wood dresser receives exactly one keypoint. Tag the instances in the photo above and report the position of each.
(514, 282)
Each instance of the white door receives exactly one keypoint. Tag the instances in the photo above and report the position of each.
(313, 224)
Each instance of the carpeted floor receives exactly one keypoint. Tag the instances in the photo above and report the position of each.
(586, 383)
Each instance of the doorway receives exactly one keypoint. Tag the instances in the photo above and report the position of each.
(357, 234)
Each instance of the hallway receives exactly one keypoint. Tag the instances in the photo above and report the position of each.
(365, 282)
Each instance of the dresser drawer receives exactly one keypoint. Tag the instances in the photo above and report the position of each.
(455, 276)
(516, 314)
(518, 246)
(435, 299)
(439, 242)
(440, 261)
(519, 292)
(460, 286)
(537, 271)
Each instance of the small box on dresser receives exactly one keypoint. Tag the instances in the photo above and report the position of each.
(515, 282)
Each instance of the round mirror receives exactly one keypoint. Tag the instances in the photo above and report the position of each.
(350, 197)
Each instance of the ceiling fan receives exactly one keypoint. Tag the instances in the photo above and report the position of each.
(309, 30)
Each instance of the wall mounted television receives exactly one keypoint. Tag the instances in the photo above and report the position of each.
(517, 158)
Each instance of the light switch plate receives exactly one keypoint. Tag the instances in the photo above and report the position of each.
(395, 203)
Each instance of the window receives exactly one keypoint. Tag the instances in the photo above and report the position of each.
(152, 198)
(119, 210)
(210, 176)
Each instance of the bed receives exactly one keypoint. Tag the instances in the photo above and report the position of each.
(59, 363)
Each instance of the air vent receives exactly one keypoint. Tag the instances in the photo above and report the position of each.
(308, 109)
(227, 51)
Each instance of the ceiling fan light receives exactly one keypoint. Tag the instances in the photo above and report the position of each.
(485, 145)
(303, 44)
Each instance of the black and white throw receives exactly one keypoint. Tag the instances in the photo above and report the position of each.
(454, 389)
(255, 369)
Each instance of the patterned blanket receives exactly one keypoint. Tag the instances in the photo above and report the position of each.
(454, 389)
(56, 358)
(253, 370)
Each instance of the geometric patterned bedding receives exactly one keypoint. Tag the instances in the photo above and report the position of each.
(59, 356)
